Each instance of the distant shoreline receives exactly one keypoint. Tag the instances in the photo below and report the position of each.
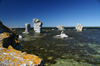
(64, 27)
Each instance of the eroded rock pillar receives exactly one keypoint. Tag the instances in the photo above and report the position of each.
(37, 25)
(27, 28)
(79, 27)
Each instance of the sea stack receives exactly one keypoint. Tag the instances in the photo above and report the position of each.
(37, 25)
(60, 27)
(27, 28)
(79, 27)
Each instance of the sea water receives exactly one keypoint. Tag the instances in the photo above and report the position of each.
(79, 49)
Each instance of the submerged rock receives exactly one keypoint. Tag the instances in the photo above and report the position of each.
(70, 62)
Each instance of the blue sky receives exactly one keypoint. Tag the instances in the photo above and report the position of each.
(15, 13)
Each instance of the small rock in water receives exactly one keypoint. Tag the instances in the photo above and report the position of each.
(52, 29)
(62, 35)
(50, 58)
(20, 36)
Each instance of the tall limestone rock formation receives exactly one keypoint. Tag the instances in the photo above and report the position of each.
(79, 27)
(37, 25)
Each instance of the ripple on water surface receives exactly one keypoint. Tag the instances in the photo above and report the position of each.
(79, 49)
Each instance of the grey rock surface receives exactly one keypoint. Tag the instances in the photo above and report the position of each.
(27, 28)
(37, 25)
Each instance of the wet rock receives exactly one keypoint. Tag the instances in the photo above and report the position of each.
(20, 37)
(70, 62)
(62, 35)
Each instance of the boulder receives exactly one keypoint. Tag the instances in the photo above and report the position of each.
(8, 37)
(20, 37)
(62, 35)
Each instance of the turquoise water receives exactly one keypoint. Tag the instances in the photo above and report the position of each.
(79, 49)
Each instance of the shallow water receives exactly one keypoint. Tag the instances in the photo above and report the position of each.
(78, 49)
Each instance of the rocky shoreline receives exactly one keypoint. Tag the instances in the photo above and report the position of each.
(10, 54)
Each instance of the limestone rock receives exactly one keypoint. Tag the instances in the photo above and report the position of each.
(27, 28)
(3, 28)
(20, 37)
(8, 37)
(11, 57)
(62, 35)
(52, 29)
(37, 25)
(60, 27)
(79, 27)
